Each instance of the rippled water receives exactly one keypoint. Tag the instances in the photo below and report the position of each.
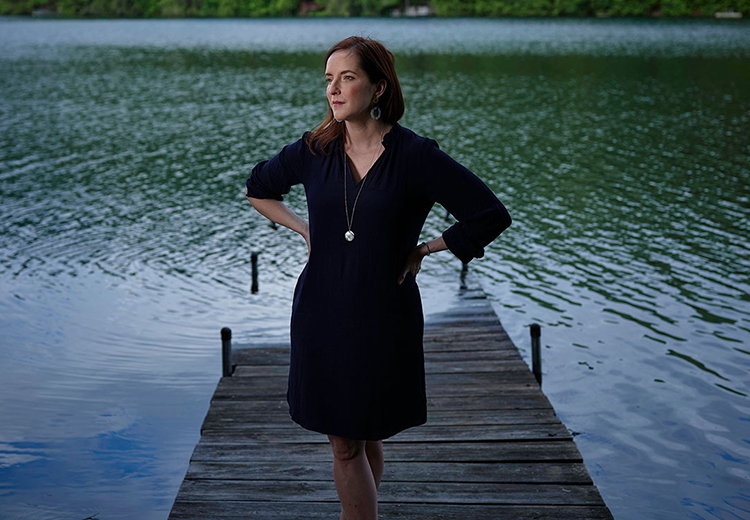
(620, 147)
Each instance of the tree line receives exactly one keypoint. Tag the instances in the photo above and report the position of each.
(447, 8)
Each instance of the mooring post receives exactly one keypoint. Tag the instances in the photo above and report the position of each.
(464, 272)
(226, 352)
(536, 352)
(254, 269)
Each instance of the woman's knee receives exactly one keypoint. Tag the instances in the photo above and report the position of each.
(345, 449)
(374, 447)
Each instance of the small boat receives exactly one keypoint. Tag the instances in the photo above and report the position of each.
(727, 14)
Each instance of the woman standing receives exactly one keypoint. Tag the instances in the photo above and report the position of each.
(357, 366)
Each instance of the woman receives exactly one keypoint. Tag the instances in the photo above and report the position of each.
(357, 367)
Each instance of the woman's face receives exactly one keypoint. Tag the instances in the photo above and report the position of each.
(350, 92)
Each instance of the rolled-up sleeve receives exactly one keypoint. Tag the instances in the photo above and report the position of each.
(272, 179)
(480, 215)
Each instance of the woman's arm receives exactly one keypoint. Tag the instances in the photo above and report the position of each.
(480, 216)
(278, 212)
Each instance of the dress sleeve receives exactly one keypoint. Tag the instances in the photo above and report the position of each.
(273, 178)
(480, 216)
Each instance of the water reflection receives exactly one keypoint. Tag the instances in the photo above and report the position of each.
(619, 147)
(561, 37)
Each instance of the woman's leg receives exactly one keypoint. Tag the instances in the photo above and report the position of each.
(374, 452)
(354, 479)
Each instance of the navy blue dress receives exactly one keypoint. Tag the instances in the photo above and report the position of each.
(357, 364)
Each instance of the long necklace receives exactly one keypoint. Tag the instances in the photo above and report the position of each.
(349, 235)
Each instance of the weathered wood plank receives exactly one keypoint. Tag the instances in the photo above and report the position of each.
(457, 340)
(469, 319)
(290, 432)
(261, 356)
(399, 492)
(230, 415)
(438, 385)
(522, 400)
(471, 356)
(243, 510)
(509, 364)
(492, 432)
(319, 450)
(297, 468)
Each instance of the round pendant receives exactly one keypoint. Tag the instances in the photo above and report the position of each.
(349, 235)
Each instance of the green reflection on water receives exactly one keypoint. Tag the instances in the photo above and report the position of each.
(696, 363)
(618, 168)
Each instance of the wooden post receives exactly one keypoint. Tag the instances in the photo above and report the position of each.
(464, 272)
(254, 268)
(226, 352)
(536, 353)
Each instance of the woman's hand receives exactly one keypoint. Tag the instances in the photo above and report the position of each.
(413, 262)
(306, 235)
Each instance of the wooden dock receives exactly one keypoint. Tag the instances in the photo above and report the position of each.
(492, 448)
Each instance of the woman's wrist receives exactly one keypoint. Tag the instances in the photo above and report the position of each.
(425, 248)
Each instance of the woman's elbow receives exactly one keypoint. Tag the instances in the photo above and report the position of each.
(256, 202)
(502, 219)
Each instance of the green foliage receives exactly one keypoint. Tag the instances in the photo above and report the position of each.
(21, 7)
(633, 7)
(676, 8)
(454, 7)
(480, 8)
(490, 8)
(673, 8)
(571, 7)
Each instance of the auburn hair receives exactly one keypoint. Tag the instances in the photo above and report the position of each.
(378, 63)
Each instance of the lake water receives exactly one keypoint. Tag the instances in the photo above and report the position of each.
(621, 148)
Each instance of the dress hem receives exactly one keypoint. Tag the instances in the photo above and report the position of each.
(347, 435)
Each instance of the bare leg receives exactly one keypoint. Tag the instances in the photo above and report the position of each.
(354, 479)
(374, 452)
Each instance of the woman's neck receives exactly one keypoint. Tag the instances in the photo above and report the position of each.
(366, 135)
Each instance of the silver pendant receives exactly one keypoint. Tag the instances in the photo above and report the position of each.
(349, 235)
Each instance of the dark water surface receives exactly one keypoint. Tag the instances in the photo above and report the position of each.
(621, 148)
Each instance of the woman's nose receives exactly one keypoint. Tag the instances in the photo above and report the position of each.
(333, 86)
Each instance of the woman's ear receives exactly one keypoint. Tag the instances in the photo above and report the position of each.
(381, 87)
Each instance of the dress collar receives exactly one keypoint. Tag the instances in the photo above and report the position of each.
(392, 134)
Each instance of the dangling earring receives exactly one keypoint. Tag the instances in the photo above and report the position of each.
(375, 112)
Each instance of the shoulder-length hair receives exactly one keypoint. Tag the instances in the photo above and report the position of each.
(378, 64)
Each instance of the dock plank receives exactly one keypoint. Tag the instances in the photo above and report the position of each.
(399, 492)
(430, 471)
(492, 448)
(444, 452)
(242, 510)
(500, 432)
